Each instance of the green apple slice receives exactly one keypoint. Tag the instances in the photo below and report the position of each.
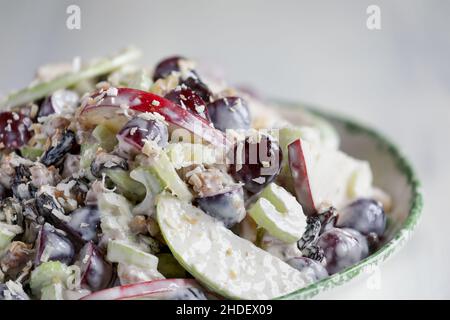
(167, 173)
(38, 90)
(279, 213)
(120, 251)
(224, 262)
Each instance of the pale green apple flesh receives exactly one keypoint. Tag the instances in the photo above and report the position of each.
(120, 251)
(278, 212)
(224, 262)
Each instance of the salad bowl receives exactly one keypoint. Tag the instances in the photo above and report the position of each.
(120, 208)
(392, 172)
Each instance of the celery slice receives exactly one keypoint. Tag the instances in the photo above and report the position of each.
(105, 137)
(130, 188)
(41, 89)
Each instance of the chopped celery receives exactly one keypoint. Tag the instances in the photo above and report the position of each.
(130, 188)
(41, 89)
(279, 213)
(31, 152)
(153, 186)
(88, 152)
(105, 137)
(47, 274)
(166, 171)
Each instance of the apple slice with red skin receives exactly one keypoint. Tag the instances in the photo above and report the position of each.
(150, 289)
(297, 164)
(107, 110)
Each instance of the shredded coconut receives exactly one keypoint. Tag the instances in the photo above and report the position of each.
(112, 92)
(152, 116)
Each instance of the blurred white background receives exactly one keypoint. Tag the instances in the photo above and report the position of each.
(396, 79)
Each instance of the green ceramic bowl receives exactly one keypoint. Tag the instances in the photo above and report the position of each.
(392, 172)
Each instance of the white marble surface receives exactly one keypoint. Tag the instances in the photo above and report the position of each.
(396, 79)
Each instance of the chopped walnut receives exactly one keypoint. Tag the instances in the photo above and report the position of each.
(54, 124)
(207, 182)
(152, 227)
(42, 175)
(138, 225)
(15, 258)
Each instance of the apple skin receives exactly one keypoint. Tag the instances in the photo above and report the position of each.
(299, 172)
(108, 112)
(154, 288)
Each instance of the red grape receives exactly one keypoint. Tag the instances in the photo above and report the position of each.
(14, 129)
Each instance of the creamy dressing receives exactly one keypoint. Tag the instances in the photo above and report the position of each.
(221, 260)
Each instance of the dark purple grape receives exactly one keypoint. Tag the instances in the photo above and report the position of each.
(227, 206)
(84, 223)
(362, 240)
(131, 136)
(53, 245)
(96, 272)
(256, 162)
(342, 248)
(189, 100)
(60, 102)
(166, 67)
(309, 267)
(107, 161)
(198, 86)
(14, 130)
(229, 113)
(363, 215)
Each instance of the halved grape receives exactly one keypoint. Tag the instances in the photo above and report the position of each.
(53, 245)
(84, 223)
(134, 133)
(256, 163)
(14, 130)
(166, 67)
(96, 272)
(60, 102)
(188, 99)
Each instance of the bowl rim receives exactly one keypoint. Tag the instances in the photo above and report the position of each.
(399, 238)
